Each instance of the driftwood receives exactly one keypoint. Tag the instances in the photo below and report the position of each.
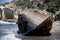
(38, 22)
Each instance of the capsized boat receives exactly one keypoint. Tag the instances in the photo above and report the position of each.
(33, 22)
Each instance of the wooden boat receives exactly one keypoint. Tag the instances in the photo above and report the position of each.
(38, 22)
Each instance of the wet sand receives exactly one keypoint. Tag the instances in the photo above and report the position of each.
(9, 32)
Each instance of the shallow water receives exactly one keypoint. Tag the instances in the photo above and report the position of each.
(9, 32)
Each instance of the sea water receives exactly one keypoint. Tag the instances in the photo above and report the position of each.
(8, 30)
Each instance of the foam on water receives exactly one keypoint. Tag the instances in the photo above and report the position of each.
(8, 30)
(4, 22)
(9, 37)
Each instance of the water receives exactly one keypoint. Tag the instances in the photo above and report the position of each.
(8, 31)
(4, 1)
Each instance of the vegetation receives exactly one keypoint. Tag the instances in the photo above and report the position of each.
(23, 3)
(52, 6)
(55, 4)
(57, 17)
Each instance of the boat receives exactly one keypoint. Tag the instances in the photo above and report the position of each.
(33, 22)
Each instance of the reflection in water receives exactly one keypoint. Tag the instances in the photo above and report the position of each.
(12, 37)
(35, 37)
(9, 32)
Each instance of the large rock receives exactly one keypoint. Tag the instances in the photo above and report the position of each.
(0, 13)
(8, 13)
